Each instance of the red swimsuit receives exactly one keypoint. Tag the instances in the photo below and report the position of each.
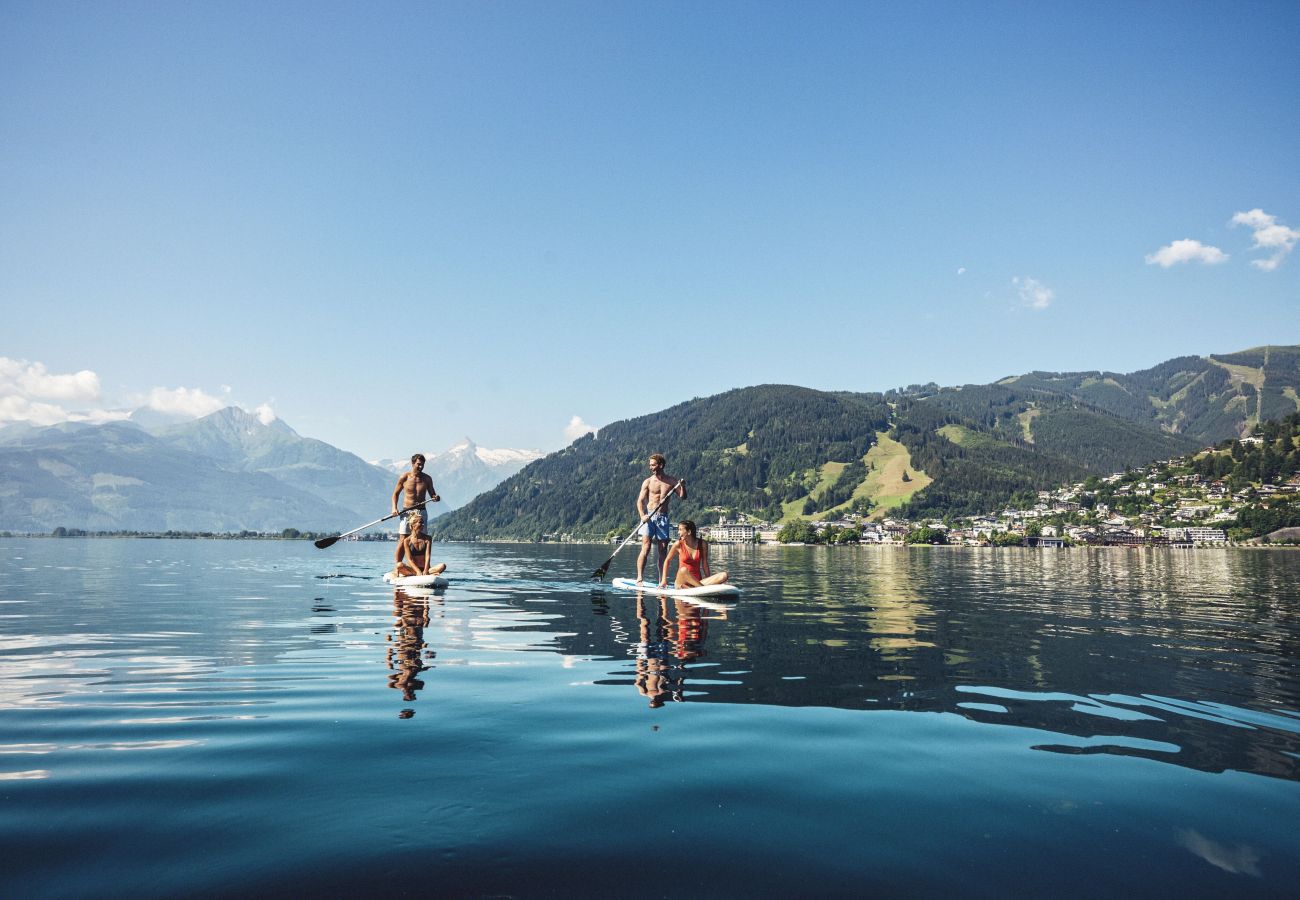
(691, 563)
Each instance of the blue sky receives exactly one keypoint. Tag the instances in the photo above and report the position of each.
(397, 224)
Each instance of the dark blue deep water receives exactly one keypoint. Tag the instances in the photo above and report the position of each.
(218, 718)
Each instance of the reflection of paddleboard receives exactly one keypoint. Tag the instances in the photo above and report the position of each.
(422, 581)
(651, 587)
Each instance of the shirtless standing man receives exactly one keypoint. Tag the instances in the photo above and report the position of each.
(656, 528)
(412, 487)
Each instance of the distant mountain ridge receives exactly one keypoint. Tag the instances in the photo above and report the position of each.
(228, 471)
(774, 451)
(242, 442)
(1207, 398)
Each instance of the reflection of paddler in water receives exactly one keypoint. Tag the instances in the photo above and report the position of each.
(657, 678)
(688, 631)
(415, 549)
(408, 651)
(673, 633)
(692, 555)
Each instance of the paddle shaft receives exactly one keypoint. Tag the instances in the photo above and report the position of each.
(600, 573)
(331, 541)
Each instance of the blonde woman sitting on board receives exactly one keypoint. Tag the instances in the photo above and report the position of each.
(414, 550)
(692, 555)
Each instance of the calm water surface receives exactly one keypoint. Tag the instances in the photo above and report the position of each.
(187, 718)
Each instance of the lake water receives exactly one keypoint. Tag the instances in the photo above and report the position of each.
(216, 718)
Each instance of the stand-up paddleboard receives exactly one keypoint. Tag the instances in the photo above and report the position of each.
(416, 581)
(651, 587)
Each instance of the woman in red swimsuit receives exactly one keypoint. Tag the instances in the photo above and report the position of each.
(693, 559)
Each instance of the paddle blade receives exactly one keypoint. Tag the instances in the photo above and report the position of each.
(599, 574)
(327, 542)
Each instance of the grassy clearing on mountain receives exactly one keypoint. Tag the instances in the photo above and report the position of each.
(968, 437)
(1248, 374)
(1026, 420)
(887, 461)
(826, 476)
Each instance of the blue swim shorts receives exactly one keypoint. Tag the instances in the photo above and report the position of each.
(658, 528)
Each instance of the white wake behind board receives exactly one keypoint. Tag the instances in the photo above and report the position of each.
(420, 581)
(651, 587)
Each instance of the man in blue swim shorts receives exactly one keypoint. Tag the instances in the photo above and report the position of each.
(652, 506)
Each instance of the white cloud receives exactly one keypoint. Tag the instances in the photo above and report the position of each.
(265, 414)
(1186, 250)
(184, 401)
(1255, 218)
(18, 377)
(961, 271)
(20, 409)
(1033, 293)
(30, 393)
(1269, 235)
(576, 429)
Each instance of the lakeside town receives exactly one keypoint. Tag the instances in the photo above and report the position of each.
(1166, 503)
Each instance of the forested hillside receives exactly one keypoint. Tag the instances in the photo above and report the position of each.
(1031, 440)
(749, 450)
(1207, 399)
(778, 451)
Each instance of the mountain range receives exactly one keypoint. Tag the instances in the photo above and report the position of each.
(772, 451)
(228, 471)
(776, 452)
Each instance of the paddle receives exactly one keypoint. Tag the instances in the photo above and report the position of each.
(331, 541)
(599, 574)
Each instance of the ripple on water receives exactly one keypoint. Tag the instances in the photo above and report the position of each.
(262, 717)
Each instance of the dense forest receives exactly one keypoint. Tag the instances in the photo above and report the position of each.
(1069, 441)
(746, 450)
(1206, 399)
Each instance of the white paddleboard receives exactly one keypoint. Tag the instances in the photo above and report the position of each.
(417, 581)
(651, 587)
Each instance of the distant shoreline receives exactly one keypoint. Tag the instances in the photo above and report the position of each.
(190, 536)
(386, 538)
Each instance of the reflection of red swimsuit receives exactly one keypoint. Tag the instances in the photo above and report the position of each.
(689, 563)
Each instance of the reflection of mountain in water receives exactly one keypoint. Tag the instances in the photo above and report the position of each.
(1186, 658)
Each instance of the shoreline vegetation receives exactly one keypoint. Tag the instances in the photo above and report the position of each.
(388, 537)
(287, 534)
